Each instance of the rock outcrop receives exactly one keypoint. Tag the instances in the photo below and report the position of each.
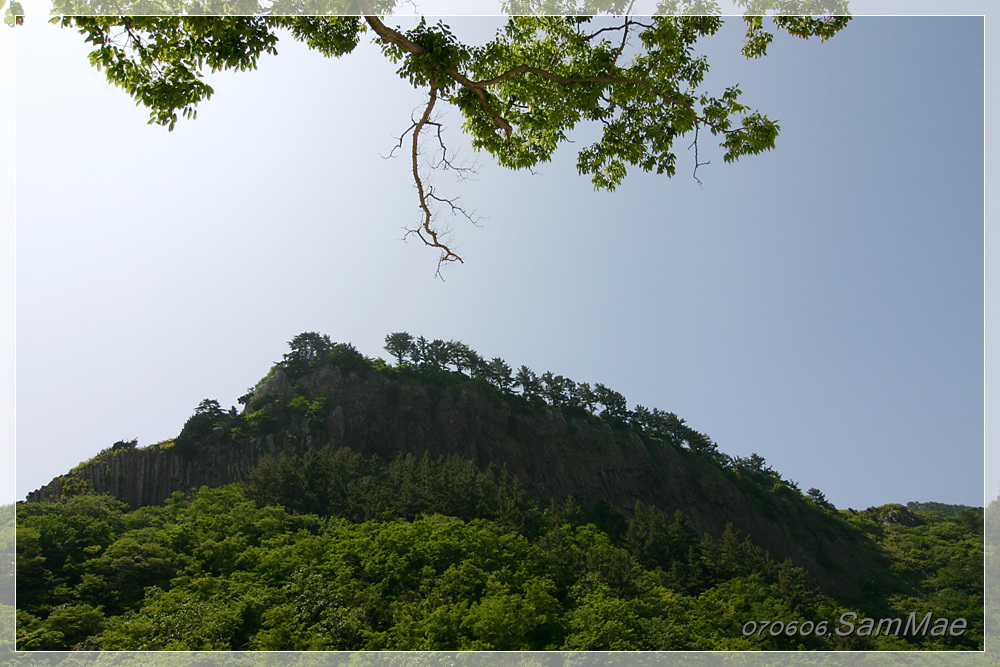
(554, 456)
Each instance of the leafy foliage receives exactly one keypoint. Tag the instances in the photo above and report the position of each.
(237, 568)
(521, 94)
(199, 426)
(340, 482)
(938, 509)
(307, 350)
(942, 558)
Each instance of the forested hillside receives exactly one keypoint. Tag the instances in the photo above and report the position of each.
(447, 502)
(404, 558)
(559, 437)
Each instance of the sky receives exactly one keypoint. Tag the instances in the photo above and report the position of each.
(821, 305)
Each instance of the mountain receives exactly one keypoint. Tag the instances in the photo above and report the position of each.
(330, 395)
(445, 502)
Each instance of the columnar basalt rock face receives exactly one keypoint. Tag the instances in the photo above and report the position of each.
(148, 476)
(553, 455)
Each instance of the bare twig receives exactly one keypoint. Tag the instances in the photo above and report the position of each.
(399, 143)
(694, 145)
(621, 47)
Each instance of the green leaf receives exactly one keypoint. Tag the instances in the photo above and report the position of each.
(14, 14)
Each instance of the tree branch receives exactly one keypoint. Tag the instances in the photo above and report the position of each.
(425, 232)
(478, 87)
(621, 47)
(694, 145)
(394, 37)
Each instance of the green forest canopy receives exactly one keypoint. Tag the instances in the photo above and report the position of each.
(399, 557)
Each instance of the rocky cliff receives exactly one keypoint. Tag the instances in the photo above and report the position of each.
(553, 454)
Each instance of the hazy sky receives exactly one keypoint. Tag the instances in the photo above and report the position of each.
(820, 305)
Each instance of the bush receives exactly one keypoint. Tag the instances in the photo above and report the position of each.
(125, 445)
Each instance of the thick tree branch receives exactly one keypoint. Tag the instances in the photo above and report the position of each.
(394, 37)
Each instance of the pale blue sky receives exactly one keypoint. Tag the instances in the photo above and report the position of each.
(821, 305)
